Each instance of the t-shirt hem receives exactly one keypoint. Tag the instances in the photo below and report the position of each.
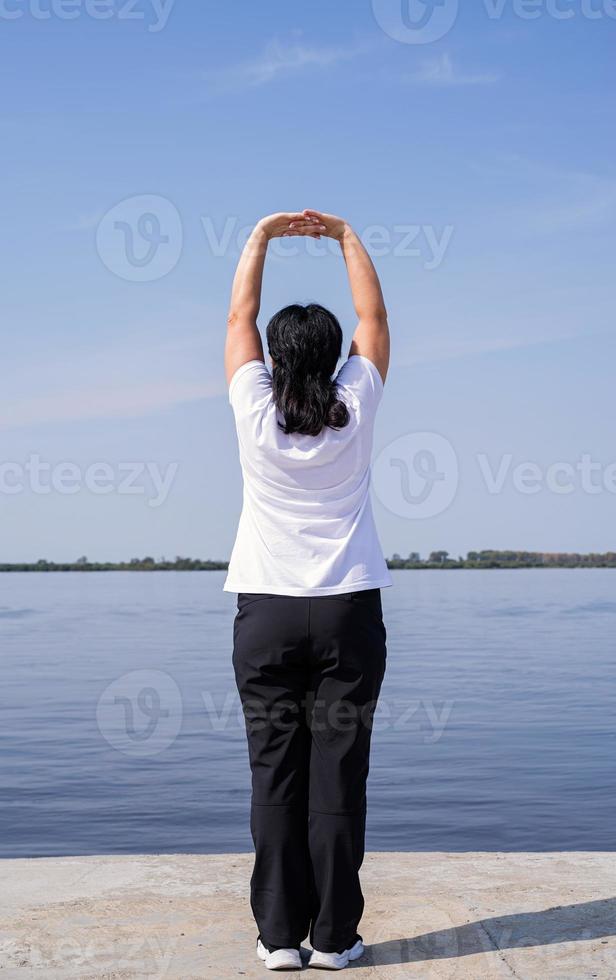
(325, 590)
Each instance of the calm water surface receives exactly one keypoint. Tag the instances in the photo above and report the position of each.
(121, 729)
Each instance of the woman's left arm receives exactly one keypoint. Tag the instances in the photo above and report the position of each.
(243, 339)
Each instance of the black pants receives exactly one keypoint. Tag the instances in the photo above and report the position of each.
(309, 672)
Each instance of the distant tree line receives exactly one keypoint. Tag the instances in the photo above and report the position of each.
(133, 565)
(436, 559)
(506, 559)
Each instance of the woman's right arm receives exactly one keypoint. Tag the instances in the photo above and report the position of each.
(243, 341)
(371, 337)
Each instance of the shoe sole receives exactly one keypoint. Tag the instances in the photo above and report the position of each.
(276, 969)
(333, 969)
(288, 969)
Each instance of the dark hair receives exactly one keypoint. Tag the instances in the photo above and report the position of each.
(305, 343)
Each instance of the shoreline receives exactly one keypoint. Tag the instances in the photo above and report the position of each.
(60, 567)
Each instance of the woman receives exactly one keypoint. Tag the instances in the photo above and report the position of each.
(309, 641)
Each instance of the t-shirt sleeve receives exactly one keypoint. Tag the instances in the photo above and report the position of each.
(361, 383)
(250, 389)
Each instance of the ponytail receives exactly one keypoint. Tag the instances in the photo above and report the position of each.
(304, 344)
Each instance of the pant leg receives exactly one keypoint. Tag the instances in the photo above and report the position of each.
(270, 659)
(348, 654)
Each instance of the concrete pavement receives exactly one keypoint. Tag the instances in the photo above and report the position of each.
(183, 917)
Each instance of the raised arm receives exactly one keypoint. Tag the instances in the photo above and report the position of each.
(243, 339)
(371, 337)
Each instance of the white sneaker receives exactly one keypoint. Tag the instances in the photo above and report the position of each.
(336, 961)
(281, 959)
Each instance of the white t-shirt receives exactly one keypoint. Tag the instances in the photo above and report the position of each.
(306, 526)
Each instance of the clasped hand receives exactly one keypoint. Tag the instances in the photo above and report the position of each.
(309, 223)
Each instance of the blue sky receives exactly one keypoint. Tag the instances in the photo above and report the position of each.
(481, 167)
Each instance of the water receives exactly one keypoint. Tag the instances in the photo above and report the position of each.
(497, 728)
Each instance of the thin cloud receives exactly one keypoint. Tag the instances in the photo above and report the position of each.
(557, 200)
(451, 348)
(597, 207)
(280, 59)
(130, 380)
(104, 403)
(441, 72)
